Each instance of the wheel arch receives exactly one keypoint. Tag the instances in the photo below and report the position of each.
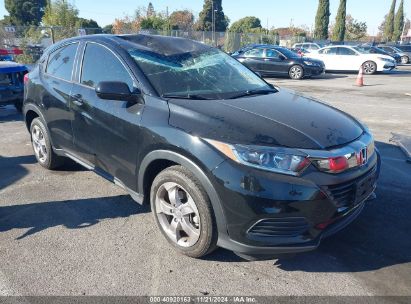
(156, 161)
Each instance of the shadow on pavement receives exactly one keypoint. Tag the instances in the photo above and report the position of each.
(11, 169)
(9, 113)
(72, 214)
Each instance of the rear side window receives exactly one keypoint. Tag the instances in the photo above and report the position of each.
(346, 51)
(328, 51)
(61, 62)
(254, 53)
(100, 64)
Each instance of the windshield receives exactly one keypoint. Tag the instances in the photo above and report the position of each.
(396, 49)
(212, 74)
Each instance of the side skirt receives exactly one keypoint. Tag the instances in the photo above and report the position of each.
(138, 197)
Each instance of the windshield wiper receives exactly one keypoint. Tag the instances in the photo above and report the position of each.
(254, 92)
(188, 96)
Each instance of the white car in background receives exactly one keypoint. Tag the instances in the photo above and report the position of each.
(351, 58)
(311, 46)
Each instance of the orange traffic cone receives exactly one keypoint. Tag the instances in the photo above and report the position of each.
(360, 78)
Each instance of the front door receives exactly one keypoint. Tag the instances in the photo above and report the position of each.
(274, 63)
(106, 132)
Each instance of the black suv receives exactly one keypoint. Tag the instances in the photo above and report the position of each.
(224, 158)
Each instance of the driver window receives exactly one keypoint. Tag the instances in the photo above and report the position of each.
(100, 64)
(346, 52)
(254, 53)
(269, 53)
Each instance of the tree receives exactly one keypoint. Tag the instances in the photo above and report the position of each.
(150, 10)
(245, 25)
(389, 23)
(355, 30)
(154, 23)
(87, 23)
(399, 22)
(62, 15)
(339, 27)
(108, 29)
(181, 20)
(322, 20)
(25, 12)
(205, 18)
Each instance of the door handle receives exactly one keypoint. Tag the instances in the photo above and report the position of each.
(77, 99)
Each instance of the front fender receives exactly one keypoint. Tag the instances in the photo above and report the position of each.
(199, 174)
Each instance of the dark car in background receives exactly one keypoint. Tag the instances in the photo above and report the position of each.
(405, 57)
(12, 83)
(272, 60)
(376, 50)
(224, 158)
(406, 49)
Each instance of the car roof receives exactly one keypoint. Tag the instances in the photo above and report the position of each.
(11, 67)
(163, 45)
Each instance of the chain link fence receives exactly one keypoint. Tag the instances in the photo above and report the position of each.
(32, 41)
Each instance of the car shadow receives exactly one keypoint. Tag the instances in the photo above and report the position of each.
(9, 113)
(72, 214)
(12, 169)
(378, 238)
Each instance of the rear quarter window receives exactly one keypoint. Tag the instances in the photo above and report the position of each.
(61, 61)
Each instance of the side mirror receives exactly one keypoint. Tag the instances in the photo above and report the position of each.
(115, 90)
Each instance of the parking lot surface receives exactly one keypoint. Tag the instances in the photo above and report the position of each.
(70, 232)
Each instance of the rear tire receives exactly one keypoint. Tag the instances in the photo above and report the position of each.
(183, 212)
(369, 67)
(296, 72)
(42, 146)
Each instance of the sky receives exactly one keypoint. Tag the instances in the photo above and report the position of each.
(275, 13)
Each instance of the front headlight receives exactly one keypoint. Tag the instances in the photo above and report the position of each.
(309, 63)
(279, 160)
(386, 59)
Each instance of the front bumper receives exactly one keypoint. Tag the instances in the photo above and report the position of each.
(314, 70)
(269, 214)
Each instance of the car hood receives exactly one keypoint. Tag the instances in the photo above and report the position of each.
(279, 119)
(377, 56)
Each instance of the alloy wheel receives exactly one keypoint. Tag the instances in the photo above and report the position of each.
(177, 214)
(39, 144)
(369, 68)
(296, 72)
(404, 59)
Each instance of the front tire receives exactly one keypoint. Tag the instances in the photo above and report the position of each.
(42, 146)
(369, 67)
(183, 212)
(296, 72)
(405, 59)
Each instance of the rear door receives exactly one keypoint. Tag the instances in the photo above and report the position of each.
(348, 59)
(106, 132)
(253, 59)
(57, 79)
(328, 56)
(273, 63)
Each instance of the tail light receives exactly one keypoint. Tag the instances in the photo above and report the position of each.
(26, 78)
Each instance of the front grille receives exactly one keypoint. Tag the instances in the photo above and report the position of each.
(342, 194)
(279, 227)
(345, 194)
